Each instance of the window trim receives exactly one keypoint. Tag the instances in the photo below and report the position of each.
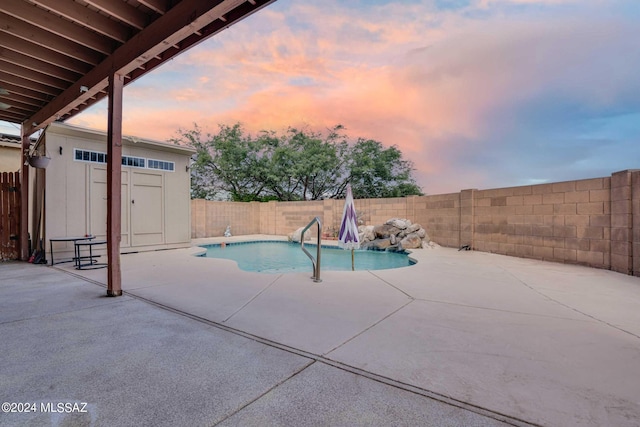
(145, 161)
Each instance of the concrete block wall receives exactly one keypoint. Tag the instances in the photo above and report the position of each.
(442, 218)
(378, 211)
(292, 215)
(212, 218)
(565, 221)
(594, 222)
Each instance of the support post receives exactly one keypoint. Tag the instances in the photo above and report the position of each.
(24, 198)
(114, 184)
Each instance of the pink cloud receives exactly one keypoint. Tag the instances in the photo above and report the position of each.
(431, 82)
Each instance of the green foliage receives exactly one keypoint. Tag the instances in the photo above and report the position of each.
(380, 172)
(298, 165)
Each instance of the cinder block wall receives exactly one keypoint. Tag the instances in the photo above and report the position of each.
(565, 221)
(594, 222)
(212, 218)
(292, 215)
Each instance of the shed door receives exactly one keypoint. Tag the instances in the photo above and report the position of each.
(147, 208)
(97, 208)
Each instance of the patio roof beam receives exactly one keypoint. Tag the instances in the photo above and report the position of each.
(13, 108)
(41, 44)
(122, 11)
(36, 97)
(38, 17)
(158, 6)
(25, 83)
(32, 75)
(19, 101)
(47, 54)
(35, 64)
(82, 15)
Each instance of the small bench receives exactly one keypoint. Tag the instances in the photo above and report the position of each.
(91, 258)
(66, 239)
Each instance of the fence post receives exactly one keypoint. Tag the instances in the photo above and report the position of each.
(467, 217)
(635, 222)
(621, 222)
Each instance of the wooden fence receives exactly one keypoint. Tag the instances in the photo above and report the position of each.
(9, 216)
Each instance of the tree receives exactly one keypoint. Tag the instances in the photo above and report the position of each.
(376, 171)
(204, 182)
(298, 165)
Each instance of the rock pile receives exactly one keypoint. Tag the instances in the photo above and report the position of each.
(395, 234)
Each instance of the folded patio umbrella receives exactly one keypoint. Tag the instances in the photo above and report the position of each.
(348, 236)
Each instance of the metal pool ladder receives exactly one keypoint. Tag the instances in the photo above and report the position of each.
(316, 261)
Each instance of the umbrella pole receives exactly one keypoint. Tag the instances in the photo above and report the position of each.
(353, 266)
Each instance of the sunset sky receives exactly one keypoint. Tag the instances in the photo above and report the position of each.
(477, 93)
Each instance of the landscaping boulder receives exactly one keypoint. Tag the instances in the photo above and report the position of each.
(410, 229)
(366, 233)
(384, 231)
(377, 245)
(422, 233)
(400, 223)
(411, 241)
(394, 234)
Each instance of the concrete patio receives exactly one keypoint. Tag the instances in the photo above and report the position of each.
(459, 339)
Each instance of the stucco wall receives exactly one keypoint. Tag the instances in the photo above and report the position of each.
(594, 222)
(10, 157)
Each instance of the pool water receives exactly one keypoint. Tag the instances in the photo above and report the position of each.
(283, 257)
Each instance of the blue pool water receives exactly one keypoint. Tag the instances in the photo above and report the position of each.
(283, 257)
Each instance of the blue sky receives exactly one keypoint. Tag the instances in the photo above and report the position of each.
(477, 93)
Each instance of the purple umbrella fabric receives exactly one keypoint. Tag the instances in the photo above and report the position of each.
(348, 236)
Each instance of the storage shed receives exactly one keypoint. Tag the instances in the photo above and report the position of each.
(155, 190)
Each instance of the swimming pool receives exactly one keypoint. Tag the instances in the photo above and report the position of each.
(284, 257)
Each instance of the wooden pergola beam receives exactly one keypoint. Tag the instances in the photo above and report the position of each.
(122, 11)
(69, 48)
(35, 64)
(86, 17)
(42, 19)
(25, 83)
(114, 182)
(32, 75)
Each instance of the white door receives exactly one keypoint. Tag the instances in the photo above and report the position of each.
(97, 209)
(147, 208)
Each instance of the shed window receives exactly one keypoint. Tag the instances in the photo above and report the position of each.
(161, 164)
(135, 162)
(89, 156)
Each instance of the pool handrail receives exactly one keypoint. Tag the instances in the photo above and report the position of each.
(314, 262)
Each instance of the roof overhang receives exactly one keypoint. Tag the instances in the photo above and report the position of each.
(64, 129)
(56, 55)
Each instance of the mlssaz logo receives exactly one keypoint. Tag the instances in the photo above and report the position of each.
(64, 407)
